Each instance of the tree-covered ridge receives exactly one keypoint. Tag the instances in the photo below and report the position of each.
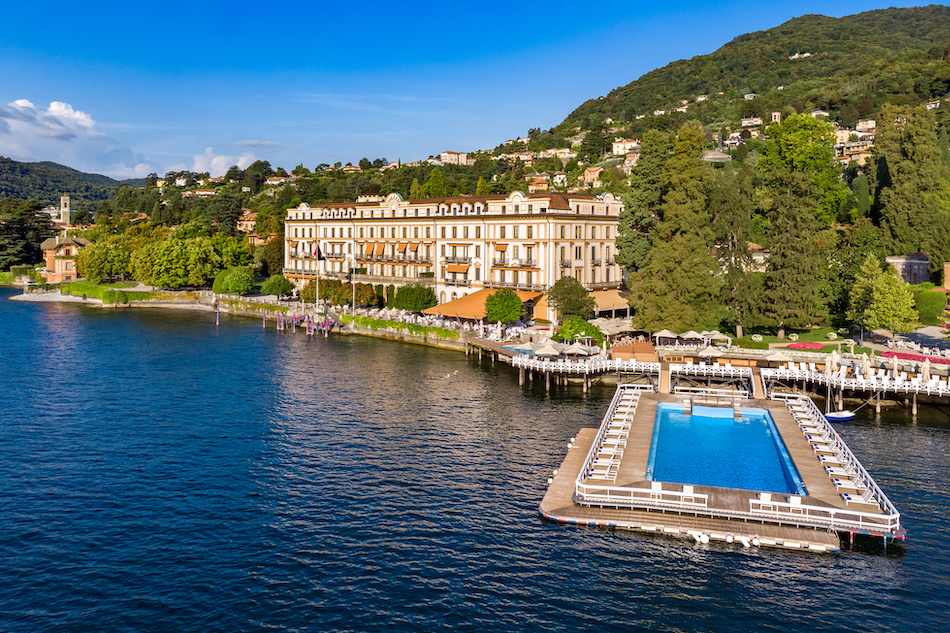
(45, 182)
(873, 55)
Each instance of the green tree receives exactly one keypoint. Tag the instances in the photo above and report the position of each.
(22, 229)
(862, 193)
(481, 188)
(644, 201)
(277, 285)
(435, 186)
(107, 259)
(272, 255)
(891, 306)
(576, 328)
(862, 290)
(504, 306)
(792, 169)
(731, 208)
(415, 190)
(570, 299)
(915, 208)
(414, 298)
(238, 280)
(677, 287)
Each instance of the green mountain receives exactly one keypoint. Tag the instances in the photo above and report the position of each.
(888, 55)
(45, 182)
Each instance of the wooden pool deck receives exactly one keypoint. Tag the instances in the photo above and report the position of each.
(630, 500)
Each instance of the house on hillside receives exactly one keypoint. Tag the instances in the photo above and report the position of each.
(913, 268)
(623, 145)
(60, 255)
(591, 177)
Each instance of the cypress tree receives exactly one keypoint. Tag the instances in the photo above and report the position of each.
(643, 203)
(677, 286)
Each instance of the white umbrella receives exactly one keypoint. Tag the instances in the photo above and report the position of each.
(578, 349)
(834, 360)
(709, 350)
(894, 363)
(925, 371)
(547, 350)
(865, 365)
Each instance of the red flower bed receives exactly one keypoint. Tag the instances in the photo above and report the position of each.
(808, 346)
(916, 357)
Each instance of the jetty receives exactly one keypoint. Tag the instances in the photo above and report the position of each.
(606, 480)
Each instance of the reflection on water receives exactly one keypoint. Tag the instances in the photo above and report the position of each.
(159, 473)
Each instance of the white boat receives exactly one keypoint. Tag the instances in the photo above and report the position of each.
(840, 416)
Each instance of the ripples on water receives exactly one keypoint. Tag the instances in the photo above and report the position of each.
(160, 474)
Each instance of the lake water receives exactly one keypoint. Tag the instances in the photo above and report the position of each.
(158, 473)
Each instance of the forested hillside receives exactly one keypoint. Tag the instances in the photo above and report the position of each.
(896, 56)
(45, 182)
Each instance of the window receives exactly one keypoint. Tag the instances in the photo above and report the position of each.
(563, 232)
(455, 232)
(517, 208)
(563, 254)
(593, 252)
(478, 232)
(443, 250)
(515, 233)
(428, 232)
(324, 232)
(371, 232)
(607, 231)
(514, 252)
(593, 232)
(465, 232)
(349, 233)
(478, 251)
(530, 208)
(503, 209)
(415, 232)
(501, 232)
(443, 232)
(530, 232)
(405, 232)
(578, 233)
(478, 274)
(578, 254)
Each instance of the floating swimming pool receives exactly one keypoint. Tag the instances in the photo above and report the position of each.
(712, 448)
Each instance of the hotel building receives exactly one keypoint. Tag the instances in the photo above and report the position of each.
(459, 246)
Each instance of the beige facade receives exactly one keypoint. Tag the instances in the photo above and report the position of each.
(459, 245)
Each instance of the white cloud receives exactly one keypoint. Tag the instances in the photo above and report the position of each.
(218, 164)
(64, 135)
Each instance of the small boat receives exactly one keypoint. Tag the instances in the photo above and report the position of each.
(840, 416)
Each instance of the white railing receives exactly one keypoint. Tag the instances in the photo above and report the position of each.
(596, 365)
(730, 393)
(592, 494)
(848, 461)
(824, 516)
(724, 371)
(840, 380)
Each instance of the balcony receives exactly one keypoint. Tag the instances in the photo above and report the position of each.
(602, 285)
(565, 263)
(334, 256)
(513, 285)
(611, 261)
(467, 283)
(595, 262)
(458, 260)
(392, 279)
(500, 262)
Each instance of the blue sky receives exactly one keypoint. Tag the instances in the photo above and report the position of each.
(126, 88)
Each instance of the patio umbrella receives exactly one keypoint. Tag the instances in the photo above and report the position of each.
(547, 350)
(865, 365)
(709, 350)
(834, 360)
(925, 371)
(605, 346)
(577, 349)
(664, 334)
(894, 363)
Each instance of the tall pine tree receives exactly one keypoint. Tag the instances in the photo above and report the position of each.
(794, 156)
(677, 286)
(643, 202)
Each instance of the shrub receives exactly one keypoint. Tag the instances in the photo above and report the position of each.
(277, 285)
(414, 298)
(121, 297)
(929, 304)
(108, 296)
(237, 280)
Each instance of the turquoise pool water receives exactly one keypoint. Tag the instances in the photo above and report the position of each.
(711, 448)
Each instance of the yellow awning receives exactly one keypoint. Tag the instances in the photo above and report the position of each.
(380, 247)
(457, 268)
(414, 246)
(402, 247)
(501, 247)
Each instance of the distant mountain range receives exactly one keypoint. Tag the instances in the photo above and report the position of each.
(45, 182)
(813, 60)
